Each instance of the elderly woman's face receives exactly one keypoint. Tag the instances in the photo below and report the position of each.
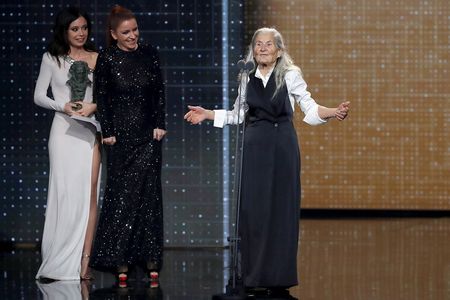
(264, 50)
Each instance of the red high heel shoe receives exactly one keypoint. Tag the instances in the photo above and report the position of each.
(154, 279)
(122, 276)
(154, 276)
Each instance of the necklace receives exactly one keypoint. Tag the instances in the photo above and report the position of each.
(70, 61)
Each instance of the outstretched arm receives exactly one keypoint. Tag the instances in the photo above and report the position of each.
(197, 114)
(221, 117)
(314, 114)
(340, 112)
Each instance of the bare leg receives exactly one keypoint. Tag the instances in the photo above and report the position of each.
(85, 272)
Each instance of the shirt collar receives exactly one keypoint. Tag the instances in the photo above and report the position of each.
(261, 76)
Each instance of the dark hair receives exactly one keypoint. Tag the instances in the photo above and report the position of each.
(117, 15)
(60, 43)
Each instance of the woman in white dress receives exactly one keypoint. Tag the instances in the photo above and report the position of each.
(74, 154)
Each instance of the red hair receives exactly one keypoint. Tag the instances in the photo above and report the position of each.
(117, 15)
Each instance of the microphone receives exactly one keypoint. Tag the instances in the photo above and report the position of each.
(249, 65)
(241, 64)
(245, 66)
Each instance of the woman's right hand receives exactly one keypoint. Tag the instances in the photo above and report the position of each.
(109, 140)
(197, 114)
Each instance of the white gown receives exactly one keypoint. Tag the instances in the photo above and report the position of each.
(71, 144)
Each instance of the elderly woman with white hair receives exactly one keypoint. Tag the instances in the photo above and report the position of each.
(270, 196)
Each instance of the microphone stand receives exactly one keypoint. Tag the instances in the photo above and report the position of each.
(233, 290)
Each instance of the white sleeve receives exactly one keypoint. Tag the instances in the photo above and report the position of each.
(224, 117)
(298, 89)
(220, 115)
(42, 84)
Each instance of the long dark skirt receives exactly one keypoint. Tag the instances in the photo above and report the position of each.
(130, 228)
(269, 219)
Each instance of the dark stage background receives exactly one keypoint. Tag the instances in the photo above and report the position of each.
(199, 43)
(390, 59)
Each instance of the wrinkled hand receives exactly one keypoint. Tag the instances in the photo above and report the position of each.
(196, 114)
(109, 140)
(158, 134)
(342, 110)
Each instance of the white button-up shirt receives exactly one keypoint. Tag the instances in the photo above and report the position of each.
(297, 92)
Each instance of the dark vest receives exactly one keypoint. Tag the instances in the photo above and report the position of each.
(262, 104)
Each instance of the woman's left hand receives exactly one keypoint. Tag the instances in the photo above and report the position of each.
(86, 109)
(342, 110)
(158, 134)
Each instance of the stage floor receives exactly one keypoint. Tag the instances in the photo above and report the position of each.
(350, 259)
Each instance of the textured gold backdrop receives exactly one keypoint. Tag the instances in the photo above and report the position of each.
(391, 60)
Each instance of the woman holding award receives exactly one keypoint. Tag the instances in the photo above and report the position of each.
(70, 217)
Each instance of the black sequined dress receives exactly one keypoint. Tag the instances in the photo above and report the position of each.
(129, 91)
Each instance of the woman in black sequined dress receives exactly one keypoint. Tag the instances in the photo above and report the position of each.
(129, 91)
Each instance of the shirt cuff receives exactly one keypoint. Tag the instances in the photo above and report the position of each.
(313, 118)
(219, 117)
